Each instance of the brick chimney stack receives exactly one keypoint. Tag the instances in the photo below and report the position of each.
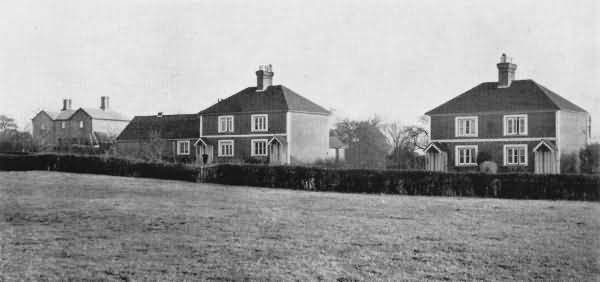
(66, 104)
(104, 103)
(506, 71)
(264, 77)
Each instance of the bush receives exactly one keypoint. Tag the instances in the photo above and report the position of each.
(569, 163)
(589, 158)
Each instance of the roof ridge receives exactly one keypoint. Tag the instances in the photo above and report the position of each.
(285, 98)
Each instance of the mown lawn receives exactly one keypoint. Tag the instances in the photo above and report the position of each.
(60, 226)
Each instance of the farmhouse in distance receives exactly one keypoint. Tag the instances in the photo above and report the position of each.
(519, 124)
(84, 126)
(265, 123)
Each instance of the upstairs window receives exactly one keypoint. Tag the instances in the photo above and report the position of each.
(515, 125)
(225, 124)
(63, 124)
(81, 124)
(183, 147)
(225, 148)
(466, 126)
(259, 147)
(515, 154)
(43, 127)
(260, 123)
(466, 155)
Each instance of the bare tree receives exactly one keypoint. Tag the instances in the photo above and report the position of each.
(7, 123)
(416, 136)
(395, 134)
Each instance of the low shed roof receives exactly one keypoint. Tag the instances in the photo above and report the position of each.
(165, 126)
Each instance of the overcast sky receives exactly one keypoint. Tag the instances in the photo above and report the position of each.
(394, 58)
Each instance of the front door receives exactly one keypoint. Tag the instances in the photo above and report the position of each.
(545, 161)
(275, 153)
(204, 151)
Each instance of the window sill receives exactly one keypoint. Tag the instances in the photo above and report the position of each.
(466, 165)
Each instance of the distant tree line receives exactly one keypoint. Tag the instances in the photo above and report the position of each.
(11, 139)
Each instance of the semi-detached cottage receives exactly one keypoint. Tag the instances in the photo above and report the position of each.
(265, 123)
(268, 123)
(521, 124)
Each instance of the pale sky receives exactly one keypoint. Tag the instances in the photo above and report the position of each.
(397, 59)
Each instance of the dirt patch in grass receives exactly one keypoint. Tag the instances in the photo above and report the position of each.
(59, 226)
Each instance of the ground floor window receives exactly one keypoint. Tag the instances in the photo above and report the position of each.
(515, 154)
(183, 147)
(225, 148)
(466, 155)
(259, 147)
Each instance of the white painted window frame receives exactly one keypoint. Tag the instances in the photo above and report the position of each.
(515, 146)
(220, 149)
(183, 152)
(226, 129)
(253, 147)
(63, 124)
(457, 155)
(457, 131)
(253, 123)
(81, 124)
(505, 119)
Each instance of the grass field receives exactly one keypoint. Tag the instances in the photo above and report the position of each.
(60, 226)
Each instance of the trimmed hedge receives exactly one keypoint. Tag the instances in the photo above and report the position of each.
(513, 185)
(98, 165)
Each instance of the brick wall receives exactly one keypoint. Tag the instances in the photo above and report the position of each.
(490, 125)
(242, 123)
(496, 150)
(44, 137)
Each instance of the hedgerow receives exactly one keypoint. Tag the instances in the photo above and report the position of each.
(403, 182)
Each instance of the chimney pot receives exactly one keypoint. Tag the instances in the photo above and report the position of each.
(66, 104)
(104, 103)
(264, 77)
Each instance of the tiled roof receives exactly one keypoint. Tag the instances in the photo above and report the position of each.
(522, 95)
(274, 98)
(52, 115)
(92, 112)
(167, 126)
(64, 115)
(101, 114)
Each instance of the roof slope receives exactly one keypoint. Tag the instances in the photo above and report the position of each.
(92, 112)
(274, 98)
(167, 127)
(522, 95)
(64, 115)
(102, 114)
